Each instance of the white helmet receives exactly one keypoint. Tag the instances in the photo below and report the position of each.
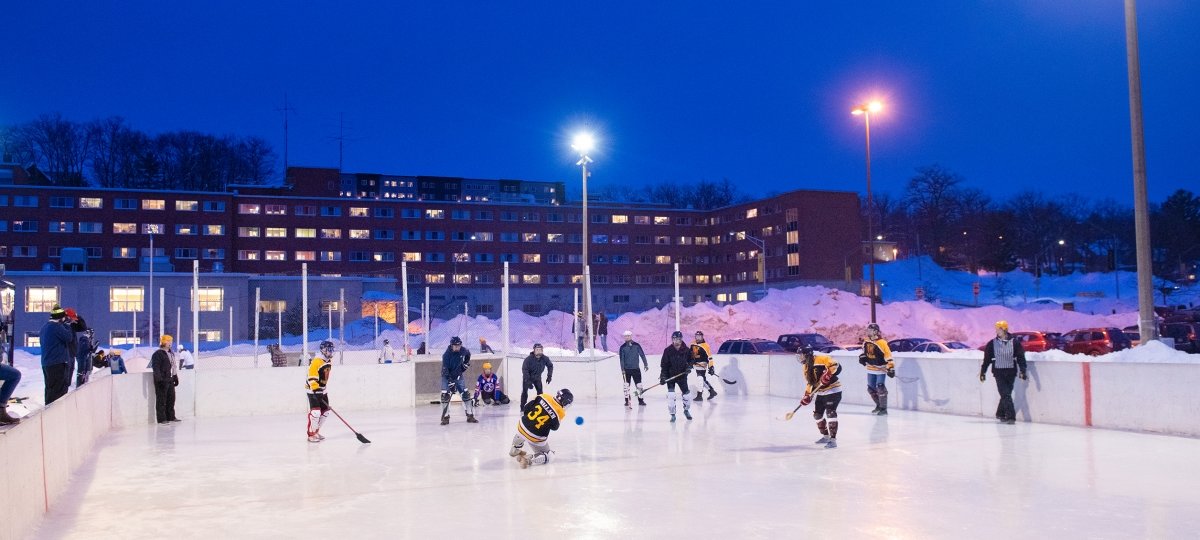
(627, 333)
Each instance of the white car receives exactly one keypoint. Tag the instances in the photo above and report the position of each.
(941, 347)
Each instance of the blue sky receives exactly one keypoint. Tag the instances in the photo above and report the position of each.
(1011, 94)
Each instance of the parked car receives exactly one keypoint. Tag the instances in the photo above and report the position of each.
(750, 346)
(819, 343)
(1055, 340)
(1033, 341)
(941, 346)
(906, 344)
(1096, 341)
(1186, 335)
(1134, 333)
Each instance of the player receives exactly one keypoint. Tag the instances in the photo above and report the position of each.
(676, 360)
(540, 416)
(455, 362)
(877, 357)
(702, 361)
(318, 400)
(487, 387)
(821, 374)
(629, 354)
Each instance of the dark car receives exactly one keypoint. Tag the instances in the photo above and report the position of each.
(1055, 340)
(819, 343)
(1096, 341)
(1134, 333)
(750, 346)
(1186, 335)
(906, 344)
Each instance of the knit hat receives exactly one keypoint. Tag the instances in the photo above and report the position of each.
(57, 312)
(71, 313)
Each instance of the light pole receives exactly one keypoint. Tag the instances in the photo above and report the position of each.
(762, 259)
(865, 111)
(584, 143)
(1141, 212)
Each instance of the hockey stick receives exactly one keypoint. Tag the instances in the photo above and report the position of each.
(789, 416)
(360, 436)
(640, 393)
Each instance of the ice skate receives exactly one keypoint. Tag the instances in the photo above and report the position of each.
(641, 402)
(515, 452)
(823, 440)
(321, 437)
(699, 397)
(445, 420)
(672, 418)
(687, 414)
(875, 410)
(711, 394)
(523, 460)
(314, 438)
(882, 412)
(627, 405)
(831, 444)
(1010, 421)
(471, 419)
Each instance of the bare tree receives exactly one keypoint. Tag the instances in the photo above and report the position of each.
(60, 148)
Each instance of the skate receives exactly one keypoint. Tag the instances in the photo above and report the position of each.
(882, 412)
(641, 402)
(314, 438)
(627, 405)
(445, 420)
(831, 444)
(319, 436)
(672, 418)
(711, 394)
(6, 420)
(687, 414)
(823, 440)
(471, 419)
(875, 410)
(1010, 421)
(699, 397)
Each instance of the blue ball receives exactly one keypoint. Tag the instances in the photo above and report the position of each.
(579, 420)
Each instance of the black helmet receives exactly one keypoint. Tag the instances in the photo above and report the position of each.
(537, 345)
(677, 335)
(873, 328)
(455, 341)
(564, 397)
(806, 350)
(327, 348)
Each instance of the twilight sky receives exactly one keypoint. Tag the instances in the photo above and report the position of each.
(1011, 94)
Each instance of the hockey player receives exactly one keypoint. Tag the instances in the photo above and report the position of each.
(877, 357)
(821, 375)
(455, 362)
(676, 361)
(531, 372)
(318, 400)
(629, 353)
(702, 361)
(488, 387)
(538, 418)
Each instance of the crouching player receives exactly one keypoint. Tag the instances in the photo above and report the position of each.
(540, 416)
(821, 374)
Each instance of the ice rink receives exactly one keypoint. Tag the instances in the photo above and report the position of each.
(738, 470)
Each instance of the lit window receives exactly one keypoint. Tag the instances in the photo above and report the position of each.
(331, 233)
(210, 336)
(331, 256)
(555, 238)
(412, 256)
(91, 202)
(154, 204)
(276, 210)
(435, 214)
(276, 255)
(153, 228)
(531, 237)
(435, 278)
(531, 279)
(306, 233)
(662, 220)
(272, 306)
(751, 213)
(214, 230)
(641, 220)
(123, 337)
(531, 258)
(306, 256)
(383, 256)
(25, 226)
(187, 206)
(124, 253)
(33, 339)
(460, 257)
(124, 228)
(360, 234)
(662, 259)
(214, 253)
(40, 299)
(125, 299)
(185, 230)
(248, 255)
(620, 219)
(276, 232)
(462, 279)
(61, 226)
(358, 211)
(249, 209)
(249, 232)
(212, 299)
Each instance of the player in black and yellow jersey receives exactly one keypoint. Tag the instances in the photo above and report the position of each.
(821, 374)
(318, 401)
(702, 362)
(543, 414)
(877, 358)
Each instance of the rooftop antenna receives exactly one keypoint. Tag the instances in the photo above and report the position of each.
(341, 139)
(287, 110)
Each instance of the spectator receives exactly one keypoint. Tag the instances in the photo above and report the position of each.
(484, 348)
(115, 363)
(387, 355)
(9, 377)
(186, 361)
(602, 329)
(85, 347)
(580, 333)
(58, 353)
(166, 378)
(278, 359)
(421, 349)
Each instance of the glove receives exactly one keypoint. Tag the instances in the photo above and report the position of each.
(825, 378)
(1024, 376)
(547, 379)
(806, 399)
(891, 373)
(662, 380)
(982, 377)
(862, 359)
(712, 371)
(175, 380)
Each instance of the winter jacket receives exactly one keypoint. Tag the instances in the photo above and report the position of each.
(601, 325)
(989, 356)
(58, 344)
(454, 364)
(629, 352)
(160, 362)
(675, 361)
(532, 367)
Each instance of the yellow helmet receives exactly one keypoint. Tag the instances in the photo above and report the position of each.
(487, 365)
(166, 339)
(1002, 325)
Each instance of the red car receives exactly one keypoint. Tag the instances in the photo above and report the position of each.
(1096, 341)
(1033, 341)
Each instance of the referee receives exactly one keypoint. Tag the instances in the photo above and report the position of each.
(1006, 357)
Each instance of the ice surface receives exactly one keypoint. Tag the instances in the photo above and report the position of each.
(736, 471)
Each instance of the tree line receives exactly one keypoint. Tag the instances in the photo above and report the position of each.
(703, 195)
(937, 215)
(109, 153)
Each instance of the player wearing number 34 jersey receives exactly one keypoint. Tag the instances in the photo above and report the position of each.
(540, 416)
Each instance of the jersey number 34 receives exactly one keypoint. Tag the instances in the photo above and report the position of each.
(537, 415)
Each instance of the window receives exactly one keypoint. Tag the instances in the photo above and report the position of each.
(33, 339)
(123, 337)
(531, 258)
(331, 256)
(3, 226)
(599, 238)
(484, 308)
(509, 237)
(124, 228)
(272, 306)
(185, 230)
(683, 241)
(331, 211)
(751, 213)
(484, 258)
(40, 299)
(383, 256)
(411, 256)
(153, 228)
(154, 204)
(531, 279)
(484, 215)
(125, 299)
(91, 202)
(211, 299)
(555, 238)
(306, 233)
(599, 218)
(214, 206)
(360, 234)
(620, 219)
(508, 257)
(276, 255)
(460, 214)
(530, 216)
(556, 258)
(305, 210)
(249, 255)
(61, 226)
(62, 202)
(683, 221)
(276, 210)
(186, 253)
(210, 336)
(531, 237)
(620, 259)
(386, 213)
(662, 220)
(460, 257)
(410, 235)
(484, 237)
(249, 232)
(94, 252)
(508, 216)
(25, 226)
(331, 234)
(662, 240)
(330, 306)
(620, 239)
(214, 253)
(360, 256)
(385, 234)
(435, 235)
(554, 218)
(247, 208)
(276, 232)
(435, 257)
(435, 214)
(575, 238)
(359, 211)
(25, 251)
(641, 220)
(25, 201)
(461, 279)
(124, 253)
(410, 213)
(187, 206)
(435, 279)
(214, 230)
(306, 256)
(599, 259)
(641, 239)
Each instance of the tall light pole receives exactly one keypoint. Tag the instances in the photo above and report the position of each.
(865, 111)
(1141, 213)
(584, 143)
(762, 260)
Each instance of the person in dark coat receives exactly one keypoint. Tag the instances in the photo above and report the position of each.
(531, 372)
(58, 354)
(1007, 358)
(602, 330)
(676, 363)
(165, 381)
(455, 362)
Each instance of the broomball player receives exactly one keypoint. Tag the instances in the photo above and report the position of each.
(455, 362)
(318, 400)
(540, 416)
(877, 357)
(676, 361)
(821, 374)
(702, 361)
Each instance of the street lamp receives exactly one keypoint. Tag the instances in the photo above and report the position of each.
(762, 259)
(865, 111)
(583, 143)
